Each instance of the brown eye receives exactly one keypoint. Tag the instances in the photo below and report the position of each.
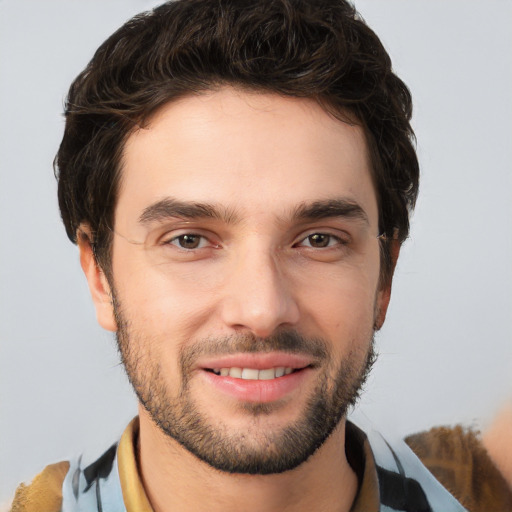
(319, 240)
(187, 241)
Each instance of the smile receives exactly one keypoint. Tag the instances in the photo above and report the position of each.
(258, 385)
(253, 373)
(257, 377)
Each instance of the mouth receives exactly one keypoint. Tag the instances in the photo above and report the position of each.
(260, 377)
(254, 373)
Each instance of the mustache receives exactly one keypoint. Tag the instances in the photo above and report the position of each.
(284, 341)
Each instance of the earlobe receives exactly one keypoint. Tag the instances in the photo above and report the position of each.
(98, 284)
(384, 294)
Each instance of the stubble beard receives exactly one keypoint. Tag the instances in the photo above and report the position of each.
(256, 449)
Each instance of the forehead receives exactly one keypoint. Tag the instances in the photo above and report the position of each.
(254, 153)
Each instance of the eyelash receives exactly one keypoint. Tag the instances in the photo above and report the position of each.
(330, 237)
(183, 235)
(339, 241)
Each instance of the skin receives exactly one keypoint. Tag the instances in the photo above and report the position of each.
(498, 441)
(257, 157)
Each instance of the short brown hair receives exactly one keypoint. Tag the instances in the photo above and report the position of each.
(319, 49)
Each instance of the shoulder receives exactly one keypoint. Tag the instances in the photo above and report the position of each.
(44, 493)
(458, 459)
(85, 482)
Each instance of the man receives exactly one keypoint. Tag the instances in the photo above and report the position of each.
(238, 178)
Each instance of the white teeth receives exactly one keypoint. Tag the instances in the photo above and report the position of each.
(235, 372)
(267, 374)
(252, 373)
(280, 371)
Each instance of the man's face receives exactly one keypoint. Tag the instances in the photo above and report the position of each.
(246, 275)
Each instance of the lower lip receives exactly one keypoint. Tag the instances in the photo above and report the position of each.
(258, 391)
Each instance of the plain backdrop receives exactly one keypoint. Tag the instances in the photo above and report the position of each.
(446, 349)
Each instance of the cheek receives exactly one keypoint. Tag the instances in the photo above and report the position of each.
(162, 303)
(341, 306)
(335, 301)
(347, 307)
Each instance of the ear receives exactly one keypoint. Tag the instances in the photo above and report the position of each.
(384, 294)
(98, 284)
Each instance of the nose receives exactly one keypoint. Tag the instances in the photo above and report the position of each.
(258, 297)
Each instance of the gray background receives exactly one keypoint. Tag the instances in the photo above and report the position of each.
(445, 352)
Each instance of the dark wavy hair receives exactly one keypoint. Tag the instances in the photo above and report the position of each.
(319, 49)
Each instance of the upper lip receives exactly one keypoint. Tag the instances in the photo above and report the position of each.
(258, 361)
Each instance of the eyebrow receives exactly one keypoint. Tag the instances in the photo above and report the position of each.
(168, 208)
(172, 208)
(330, 208)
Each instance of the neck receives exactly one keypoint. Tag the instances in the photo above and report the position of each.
(174, 479)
